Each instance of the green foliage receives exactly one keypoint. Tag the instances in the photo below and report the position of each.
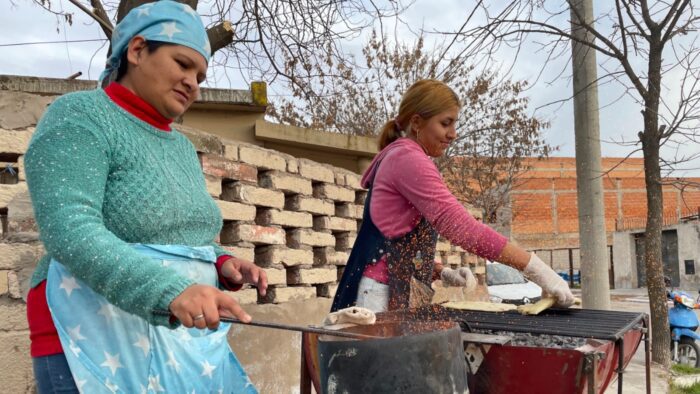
(685, 369)
(694, 389)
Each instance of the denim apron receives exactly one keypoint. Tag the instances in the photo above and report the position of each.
(409, 257)
(112, 351)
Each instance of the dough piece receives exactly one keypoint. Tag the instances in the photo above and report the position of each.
(541, 305)
(351, 315)
(537, 307)
(479, 306)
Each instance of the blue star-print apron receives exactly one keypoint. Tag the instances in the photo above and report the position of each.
(112, 351)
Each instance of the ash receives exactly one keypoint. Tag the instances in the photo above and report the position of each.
(538, 340)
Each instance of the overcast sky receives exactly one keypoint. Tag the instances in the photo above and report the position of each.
(22, 21)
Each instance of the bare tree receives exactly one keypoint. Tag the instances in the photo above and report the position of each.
(495, 132)
(640, 41)
(262, 39)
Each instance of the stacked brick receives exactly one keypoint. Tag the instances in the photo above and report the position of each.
(19, 246)
(295, 218)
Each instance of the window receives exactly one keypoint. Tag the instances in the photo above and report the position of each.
(690, 267)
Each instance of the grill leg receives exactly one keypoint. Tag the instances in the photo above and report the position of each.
(647, 364)
(590, 370)
(305, 377)
(620, 363)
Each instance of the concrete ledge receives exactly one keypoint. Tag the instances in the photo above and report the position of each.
(57, 86)
(297, 136)
(44, 86)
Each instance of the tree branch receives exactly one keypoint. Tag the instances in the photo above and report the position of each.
(622, 28)
(634, 20)
(102, 14)
(676, 17)
(106, 25)
(624, 61)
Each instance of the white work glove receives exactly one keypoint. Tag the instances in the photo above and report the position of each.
(461, 277)
(351, 315)
(551, 283)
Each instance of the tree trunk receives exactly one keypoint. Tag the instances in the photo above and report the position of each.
(660, 337)
(102, 14)
(126, 5)
(220, 35)
(595, 283)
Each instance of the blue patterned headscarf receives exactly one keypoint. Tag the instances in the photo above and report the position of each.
(166, 21)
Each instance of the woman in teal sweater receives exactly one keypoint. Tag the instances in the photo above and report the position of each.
(129, 227)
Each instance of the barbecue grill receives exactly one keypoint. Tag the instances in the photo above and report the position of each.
(496, 364)
(612, 337)
(582, 323)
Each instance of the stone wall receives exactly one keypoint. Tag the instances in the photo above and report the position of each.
(294, 217)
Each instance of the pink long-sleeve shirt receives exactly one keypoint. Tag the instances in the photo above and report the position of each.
(408, 186)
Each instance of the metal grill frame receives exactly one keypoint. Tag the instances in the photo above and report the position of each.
(581, 323)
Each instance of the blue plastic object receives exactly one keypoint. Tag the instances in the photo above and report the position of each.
(565, 275)
(682, 317)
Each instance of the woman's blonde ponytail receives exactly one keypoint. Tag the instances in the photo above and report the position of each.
(388, 134)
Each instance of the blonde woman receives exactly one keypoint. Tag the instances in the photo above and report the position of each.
(392, 265)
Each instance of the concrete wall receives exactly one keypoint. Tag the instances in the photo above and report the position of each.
(351, 152)
(688, 249)
(272, 357)
(625, 260)
(224, 122)
(294, 217)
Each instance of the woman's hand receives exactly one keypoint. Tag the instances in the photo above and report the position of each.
(243, 271)
(462, 277)
(202, 305)
(551, 283)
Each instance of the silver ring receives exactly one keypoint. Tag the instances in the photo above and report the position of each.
(200, 316)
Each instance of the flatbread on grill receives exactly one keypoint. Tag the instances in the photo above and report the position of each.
(537, 307)
(479, 306)
(541, 305)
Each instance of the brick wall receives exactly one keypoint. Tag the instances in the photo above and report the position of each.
(545, 208)
(294, 217)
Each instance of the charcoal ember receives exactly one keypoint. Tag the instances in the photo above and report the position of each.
(538, 340)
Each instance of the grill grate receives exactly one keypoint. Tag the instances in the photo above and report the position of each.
(583, 323)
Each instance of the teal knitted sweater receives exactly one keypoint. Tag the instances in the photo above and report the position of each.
(99, 179)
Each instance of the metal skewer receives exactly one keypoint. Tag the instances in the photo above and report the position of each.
(312, 330)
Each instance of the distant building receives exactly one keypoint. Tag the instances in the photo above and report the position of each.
(545, 210)
(543, 216)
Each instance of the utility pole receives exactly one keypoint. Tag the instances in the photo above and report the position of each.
(595, 286)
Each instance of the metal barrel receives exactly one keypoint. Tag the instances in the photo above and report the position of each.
(415, 357)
